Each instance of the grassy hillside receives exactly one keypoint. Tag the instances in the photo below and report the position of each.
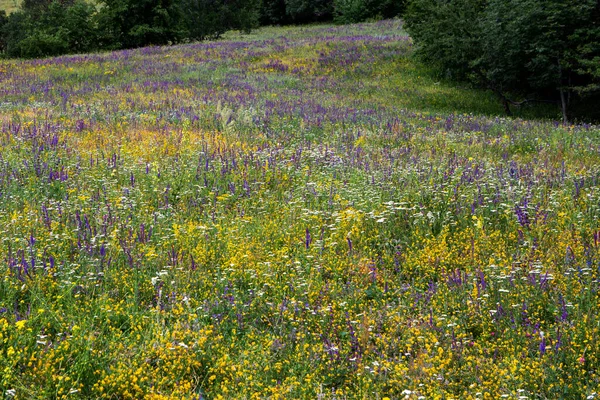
(299, 213)
(9, 5)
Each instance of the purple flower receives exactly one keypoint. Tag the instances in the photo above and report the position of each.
(542, 344)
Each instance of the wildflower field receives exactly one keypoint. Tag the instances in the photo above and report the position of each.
(299, 213)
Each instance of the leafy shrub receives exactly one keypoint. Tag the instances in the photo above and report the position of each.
(302, 11)
(277, 12)
(3, 22)
(50, 27)
(204, 19)
(136, 23)
(53, 29)
(41, 44)
(538, 50)
(272, 12)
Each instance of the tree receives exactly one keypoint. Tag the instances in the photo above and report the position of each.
(38, 7)
(136, 23)
(447, 33)
(295, 11)
(43, 29)
(305, 11)
(352, 11)
(3, 22)
(533, 44)
(273, 12)
(210, 18)
(535, 50)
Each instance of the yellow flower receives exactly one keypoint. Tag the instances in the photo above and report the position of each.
(21, 324)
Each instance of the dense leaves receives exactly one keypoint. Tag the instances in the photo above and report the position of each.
(209, 19)
(308, 10)
(48, 29)
(349, 11)
(136, 23)
(536, 50)
(342, 11)
(51, 27)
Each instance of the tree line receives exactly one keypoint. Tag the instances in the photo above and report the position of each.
(525, 51)
(43, 28)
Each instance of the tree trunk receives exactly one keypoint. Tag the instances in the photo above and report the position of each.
(563, 103)
(563, 100)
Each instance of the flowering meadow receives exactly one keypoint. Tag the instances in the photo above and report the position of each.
(299, 213)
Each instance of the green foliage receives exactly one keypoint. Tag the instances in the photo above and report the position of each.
(351, 11)
(51, 27)
(3, 22)
(39, 7)
(80, 27)
(42, 43)
(308, 10)
(527, 41)
(135, 23)
(13, 30)
(278, 12)
(342, 11)
(543, 50)
(204, 19)
(446, 33)
(272, 12)
(300, 213)
(48, 29)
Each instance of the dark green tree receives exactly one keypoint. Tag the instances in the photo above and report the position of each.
(49, 29)
(136, 23)
(15, 28)
(204, 19)
(3, 22)
(273, 12)
(533, 50)
(352, 11)
(280, 12)
(537, 45)
(305, 11)
(39, 7)
(447, 33)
